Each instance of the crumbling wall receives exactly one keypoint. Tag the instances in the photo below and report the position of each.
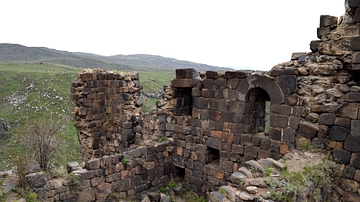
(212, 122)
(107, 112)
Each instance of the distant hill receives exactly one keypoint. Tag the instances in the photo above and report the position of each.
(19, 53)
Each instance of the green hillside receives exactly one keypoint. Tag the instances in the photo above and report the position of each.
(29, 91)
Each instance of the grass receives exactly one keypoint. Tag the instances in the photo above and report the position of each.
(49, 93)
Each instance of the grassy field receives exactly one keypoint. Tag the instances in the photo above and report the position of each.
(46, 88)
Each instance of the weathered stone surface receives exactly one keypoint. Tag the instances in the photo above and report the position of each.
(228, 192)
(349, 110)
(252, 189)
(288, 83)
(279, 121)
(214, 143)
(255, 165)
(86, 195)
(341, 156)
(352, 143)
(102, 191)
(338, 133)
(355, 160)
(355, 128)
(307, 130)
(246, 196)
(237, 177)
(355, 43)
(327, 118)
(328, 21)
(216, 197)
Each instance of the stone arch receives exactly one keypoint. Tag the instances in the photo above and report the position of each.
(258, 92)
(265, 82)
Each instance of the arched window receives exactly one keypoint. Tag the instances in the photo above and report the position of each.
(257, 109)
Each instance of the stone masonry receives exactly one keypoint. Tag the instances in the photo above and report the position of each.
(209, 123)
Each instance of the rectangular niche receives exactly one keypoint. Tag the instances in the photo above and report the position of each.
(212, 157)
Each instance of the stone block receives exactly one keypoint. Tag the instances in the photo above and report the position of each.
(349, 172)
(352, 143)
(345, 122)
(214, 143)
(102, 191)
(353, 97)
(212, 75)
(355, 43)
(338, 133)
(327, 118)
(357, 176)
(355, 128)
(329, 108)
(200, 102)
(349, 110)
(237, 149)
(314, 45)
(233, 83)
(352, 3)
(214, 115)
(307, 130)
(341, 156)
(275, 133)
(349, 185)
(226, 166)
(245, 139)
(92, 164)
(328, 21)
(251, 151)
(287, 83)
(355, 160)
(183, 83)
(280, 109)
(294, 122)
(350, 197)
(279, 121)
(209, 170)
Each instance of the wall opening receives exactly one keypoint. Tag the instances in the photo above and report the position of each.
(179, 174)
(184, 102)
(212, 157)
(257, 110)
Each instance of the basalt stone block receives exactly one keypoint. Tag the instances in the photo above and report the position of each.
(355, 128)
(349, 172)
(233, 83)
(230, 75)
(200, 102)
(345, 122)
(220, 83)
(314, 45)
(279, 121)
(328, 21)
(352, 3)
(307, 130)
(355, 160)
(195, 92)
(223, 105)
(251, 151)
(323, 31)
(180, 73)
(353, 96)
(245, 139)
(330, 108)
(287, 83)
(289, 135)
(338, 133)
(349, 110)
(327, 119)
(214, 143)
(212, 75)
(280, 109)
(215, 115)
(352, 143)
(341, 156)
(183, 83)
(275, 133)
(355, 43)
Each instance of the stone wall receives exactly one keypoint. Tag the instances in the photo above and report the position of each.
(212, 122)
(142, 169)
(107, 111)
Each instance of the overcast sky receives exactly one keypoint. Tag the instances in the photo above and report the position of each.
(229, 33)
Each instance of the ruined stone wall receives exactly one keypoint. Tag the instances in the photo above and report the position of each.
(116, 176)
(107, 112)
(213, 122)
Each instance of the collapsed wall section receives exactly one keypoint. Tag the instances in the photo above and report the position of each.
(107, 112)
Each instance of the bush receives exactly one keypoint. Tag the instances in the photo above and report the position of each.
(39, 138)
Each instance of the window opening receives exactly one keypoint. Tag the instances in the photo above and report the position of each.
(257, 110)
(212, 156)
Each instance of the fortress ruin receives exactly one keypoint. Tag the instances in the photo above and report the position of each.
(209, 123)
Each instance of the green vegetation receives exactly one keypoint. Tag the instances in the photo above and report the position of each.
(315, 182)
(73, 182)
(124, 161)
(45, 89)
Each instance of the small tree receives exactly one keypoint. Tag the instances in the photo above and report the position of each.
(39, 138)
